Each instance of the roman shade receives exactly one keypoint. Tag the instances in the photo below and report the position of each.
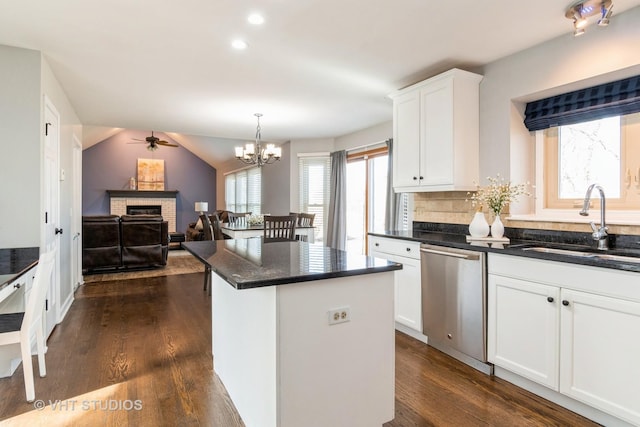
(597, 102)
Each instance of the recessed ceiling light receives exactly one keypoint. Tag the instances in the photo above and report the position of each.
(255, 19)
(239, 44)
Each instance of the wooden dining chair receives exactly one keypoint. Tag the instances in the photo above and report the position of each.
(280, 228)
(304, 220)
(216, 227)
(236, 218)
(18, 328)
(207, 231)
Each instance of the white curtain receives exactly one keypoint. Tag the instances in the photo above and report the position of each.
(337, 217)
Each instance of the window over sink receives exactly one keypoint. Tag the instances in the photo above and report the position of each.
(606, 151)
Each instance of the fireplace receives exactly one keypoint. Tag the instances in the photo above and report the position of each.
(123, 201)
(144, 210)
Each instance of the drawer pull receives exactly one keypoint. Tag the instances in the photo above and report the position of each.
(565, 302)
(17, 285)
(408, 249)
(550, 299)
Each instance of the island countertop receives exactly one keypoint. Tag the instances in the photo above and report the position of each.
(251, 263)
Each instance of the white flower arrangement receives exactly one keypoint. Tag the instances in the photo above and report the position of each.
(255, 219)
(498, 194)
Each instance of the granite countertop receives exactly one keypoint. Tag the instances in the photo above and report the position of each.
(16, 261)
(251, 263)
(454, 236)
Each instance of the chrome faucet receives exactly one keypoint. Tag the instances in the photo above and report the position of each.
(599, 234)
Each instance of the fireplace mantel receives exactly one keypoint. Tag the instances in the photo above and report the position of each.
(143, 193)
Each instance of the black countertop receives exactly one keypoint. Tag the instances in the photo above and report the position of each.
(251, 263)
(16, 261)
(454, 236)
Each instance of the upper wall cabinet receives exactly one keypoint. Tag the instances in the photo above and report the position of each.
(436, 134)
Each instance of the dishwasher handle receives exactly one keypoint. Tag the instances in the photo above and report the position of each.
(469, 256)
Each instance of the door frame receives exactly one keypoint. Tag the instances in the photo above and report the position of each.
(76, 218)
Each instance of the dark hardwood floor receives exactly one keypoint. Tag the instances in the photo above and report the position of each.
(138, 352)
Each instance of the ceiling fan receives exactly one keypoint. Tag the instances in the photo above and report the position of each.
(154, 142)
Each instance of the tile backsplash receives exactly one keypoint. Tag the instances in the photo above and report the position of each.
(454, 207)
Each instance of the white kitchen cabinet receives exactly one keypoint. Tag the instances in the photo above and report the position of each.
(407, 286)
(570, 327)
(436, 133)
(524, 327)
(600, 352)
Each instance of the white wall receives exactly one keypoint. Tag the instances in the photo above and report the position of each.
(369, 136)
(559, 65)
(20, 127)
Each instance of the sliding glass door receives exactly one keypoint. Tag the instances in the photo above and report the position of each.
(366, 196)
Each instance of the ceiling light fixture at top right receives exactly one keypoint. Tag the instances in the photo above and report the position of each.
(580, 11)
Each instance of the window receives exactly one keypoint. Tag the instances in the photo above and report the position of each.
(606, 151)
(243, 191)
(314, 190)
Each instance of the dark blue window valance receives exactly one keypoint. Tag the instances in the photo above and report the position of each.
(606, 100)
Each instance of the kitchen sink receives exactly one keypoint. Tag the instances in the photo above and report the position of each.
(584, 254)
(560, 252)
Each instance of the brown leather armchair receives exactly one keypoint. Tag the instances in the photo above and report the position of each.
(101, 242)
(145, 240)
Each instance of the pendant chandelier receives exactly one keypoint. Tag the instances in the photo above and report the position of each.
(255, 153)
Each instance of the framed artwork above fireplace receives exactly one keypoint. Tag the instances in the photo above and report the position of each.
(150, 174)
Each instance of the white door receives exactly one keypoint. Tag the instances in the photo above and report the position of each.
(51, 208)
(76, 216)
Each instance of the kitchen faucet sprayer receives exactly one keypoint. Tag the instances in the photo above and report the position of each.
(599, 234)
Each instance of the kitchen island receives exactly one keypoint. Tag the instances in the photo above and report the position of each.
(303, 335)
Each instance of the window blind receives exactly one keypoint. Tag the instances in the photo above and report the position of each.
(597, 102)
(243, 191)
(314, 190)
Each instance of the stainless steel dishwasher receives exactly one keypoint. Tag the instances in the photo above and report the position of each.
(454, 295)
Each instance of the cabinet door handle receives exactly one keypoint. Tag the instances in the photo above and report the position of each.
(377, 244)
(408, 249)
(550, 299)
(421, 178)
(415, 178)
(565, 302)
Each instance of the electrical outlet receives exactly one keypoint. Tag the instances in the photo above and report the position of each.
(339, 315)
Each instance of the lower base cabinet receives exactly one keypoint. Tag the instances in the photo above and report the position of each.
(574, 329)
(408, 302)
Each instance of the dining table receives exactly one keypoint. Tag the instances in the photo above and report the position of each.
(244, 231)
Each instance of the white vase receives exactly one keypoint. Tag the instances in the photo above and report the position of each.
(497, 227)
(479, 227)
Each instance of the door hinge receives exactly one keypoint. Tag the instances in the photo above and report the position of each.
(46, 305)
(46, 217)
(46, 129)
